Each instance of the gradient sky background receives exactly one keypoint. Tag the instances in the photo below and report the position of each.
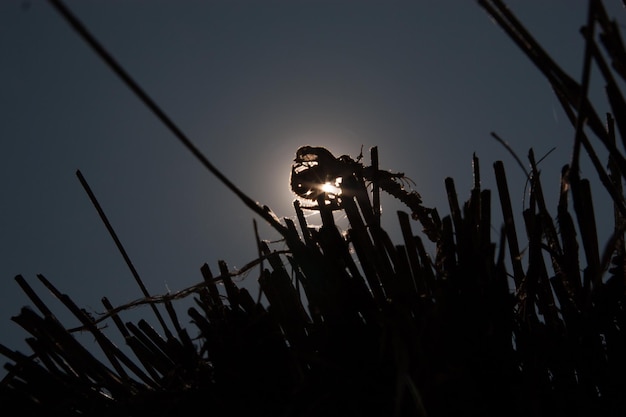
(249, 81)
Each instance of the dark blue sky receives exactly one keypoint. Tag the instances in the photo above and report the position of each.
(249, 82)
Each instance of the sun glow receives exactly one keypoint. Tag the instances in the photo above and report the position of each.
(328, 187)
(331, 188)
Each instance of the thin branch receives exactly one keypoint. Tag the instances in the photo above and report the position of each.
(156, 299)
(77, 25)
(119, 245)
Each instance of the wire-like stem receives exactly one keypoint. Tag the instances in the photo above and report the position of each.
(77, 25)
(120, 247)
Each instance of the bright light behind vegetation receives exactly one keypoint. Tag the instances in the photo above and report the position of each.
(332, 188)
(328, 187)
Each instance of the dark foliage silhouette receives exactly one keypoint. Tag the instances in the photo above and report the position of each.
(355, 324)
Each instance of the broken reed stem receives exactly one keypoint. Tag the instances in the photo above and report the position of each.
(375, 186)
(75, 23)
(120, 248)
(582, 107)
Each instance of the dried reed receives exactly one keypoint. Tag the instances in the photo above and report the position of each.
(357, 325)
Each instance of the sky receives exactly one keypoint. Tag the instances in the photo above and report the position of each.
(250, 81)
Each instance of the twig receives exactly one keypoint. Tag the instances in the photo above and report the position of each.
(120, 247)
(155, 299)
(264, 211)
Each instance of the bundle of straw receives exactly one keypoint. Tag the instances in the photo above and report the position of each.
(357, 325)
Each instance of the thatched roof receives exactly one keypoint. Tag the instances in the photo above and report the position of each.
(356, 324)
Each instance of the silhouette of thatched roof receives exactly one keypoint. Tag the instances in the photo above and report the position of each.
(356, 324)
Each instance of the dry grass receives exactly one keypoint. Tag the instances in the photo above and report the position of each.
(355, 324)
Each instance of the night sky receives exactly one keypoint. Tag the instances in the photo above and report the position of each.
(250, 81)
